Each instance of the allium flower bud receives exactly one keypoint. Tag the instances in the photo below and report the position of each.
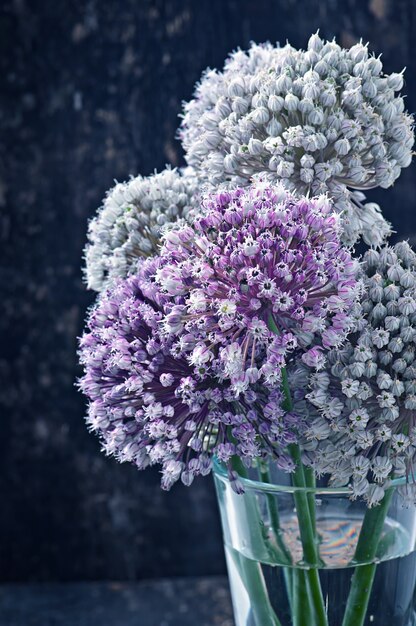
(236, 87)
(255, 146)
(275, 103)
(342, 147)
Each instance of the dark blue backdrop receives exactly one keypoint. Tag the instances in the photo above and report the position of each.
(91, 92)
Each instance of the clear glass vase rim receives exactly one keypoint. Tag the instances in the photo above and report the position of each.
(256, 485)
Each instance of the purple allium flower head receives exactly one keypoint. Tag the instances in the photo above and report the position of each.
(152, 403)
(260, 274)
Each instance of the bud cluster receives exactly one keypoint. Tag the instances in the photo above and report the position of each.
(128, 225)
(322, 120)
(364, 399)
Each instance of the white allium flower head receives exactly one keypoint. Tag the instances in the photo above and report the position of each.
(322, 120)
(366, 394)
(129, 223)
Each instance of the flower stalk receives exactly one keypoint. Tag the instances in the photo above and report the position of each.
(366, 551)
(306, 514)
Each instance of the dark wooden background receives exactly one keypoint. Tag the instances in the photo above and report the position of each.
(90, 92)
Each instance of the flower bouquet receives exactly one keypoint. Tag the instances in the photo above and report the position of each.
(235, 329)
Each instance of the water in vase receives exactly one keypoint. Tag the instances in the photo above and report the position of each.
(392, 601)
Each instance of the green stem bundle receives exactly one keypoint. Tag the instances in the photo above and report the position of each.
(303, 585)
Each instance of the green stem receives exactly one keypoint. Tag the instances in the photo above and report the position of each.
(296, 580)
(306, 528)
(302, 503)
(366, 550)
(308, 539)
(275, 527)
(272, 506)
(257, 532)
(372, 529)
(315, 587)
(301, 607)
(275, 518)
(251, 572)
(303, 477)
(259, 536)
(305, 509)
(310, 480)
(359, 596)
(315, 593)
(238, 466)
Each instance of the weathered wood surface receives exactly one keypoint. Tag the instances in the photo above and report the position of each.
(91, 92)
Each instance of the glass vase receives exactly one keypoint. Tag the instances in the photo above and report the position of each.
(311, 556)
